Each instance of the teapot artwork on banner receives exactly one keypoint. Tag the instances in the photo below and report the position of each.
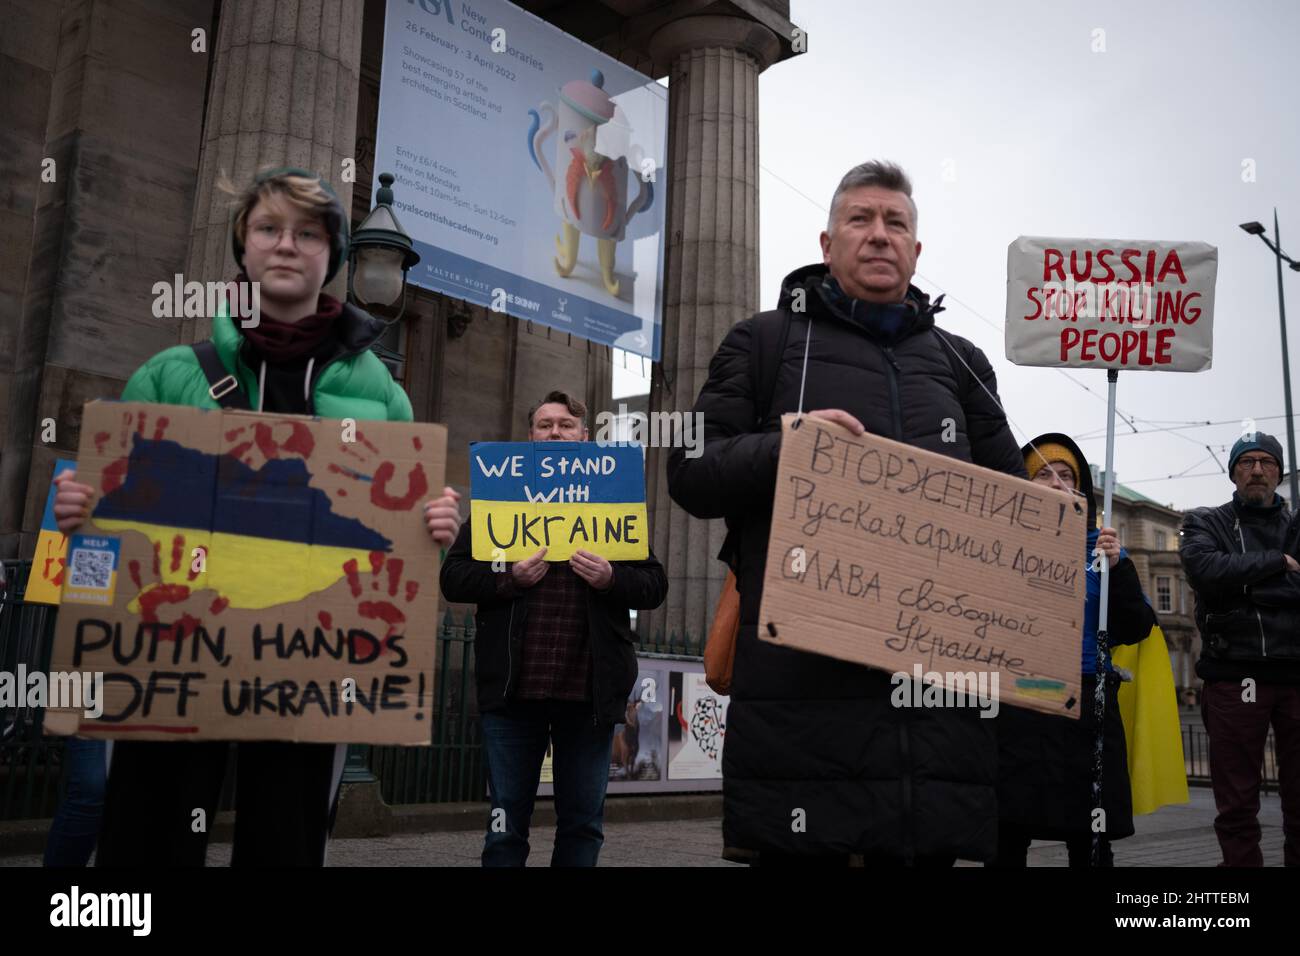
(590, 187)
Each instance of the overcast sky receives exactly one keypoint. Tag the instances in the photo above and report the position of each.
(1042, 136)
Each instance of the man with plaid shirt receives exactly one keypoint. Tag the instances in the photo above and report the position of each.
(554, 660)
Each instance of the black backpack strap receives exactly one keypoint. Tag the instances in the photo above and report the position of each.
(223, 387)
(769, 334)
(768, 338)
(960, 370)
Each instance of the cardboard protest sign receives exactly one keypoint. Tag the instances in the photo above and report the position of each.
(246, 576)
(46, 579)
(1101, 303)
(562, 496)
(902, 559)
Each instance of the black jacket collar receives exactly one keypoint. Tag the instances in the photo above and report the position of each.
(810, 280)
(1249, 512)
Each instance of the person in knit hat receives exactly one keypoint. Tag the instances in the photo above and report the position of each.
(1240, 559)
(1045, 771)
(304, 352)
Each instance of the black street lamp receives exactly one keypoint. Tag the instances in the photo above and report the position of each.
(378, 259)
(1257, 229)
(380, 254)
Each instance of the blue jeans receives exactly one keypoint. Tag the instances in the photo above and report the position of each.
(76, 823)
(514, 745)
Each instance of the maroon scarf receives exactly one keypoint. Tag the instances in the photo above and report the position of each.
(278, 341)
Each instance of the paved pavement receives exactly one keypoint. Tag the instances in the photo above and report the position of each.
(1172, 836)
(1178, 836)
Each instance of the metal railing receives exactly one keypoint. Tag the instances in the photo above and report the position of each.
(30, 762)
(451, 768)
(1196, 756)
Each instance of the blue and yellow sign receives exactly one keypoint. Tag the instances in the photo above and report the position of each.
(50, 561)
(562, 496)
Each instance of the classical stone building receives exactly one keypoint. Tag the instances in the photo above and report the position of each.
(139, 123)
(1149, 531)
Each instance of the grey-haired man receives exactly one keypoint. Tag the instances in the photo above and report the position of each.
(811, 739)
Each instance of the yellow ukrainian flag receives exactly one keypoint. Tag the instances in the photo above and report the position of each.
(1149, 709)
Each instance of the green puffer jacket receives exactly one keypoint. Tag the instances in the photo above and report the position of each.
(351, 382)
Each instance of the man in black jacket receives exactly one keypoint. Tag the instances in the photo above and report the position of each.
(555, 660)
(1240, 560)
(818, 765)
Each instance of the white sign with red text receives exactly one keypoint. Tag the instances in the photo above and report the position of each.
(1101, 303)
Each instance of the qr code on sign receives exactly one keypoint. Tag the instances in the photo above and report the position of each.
(92, 569)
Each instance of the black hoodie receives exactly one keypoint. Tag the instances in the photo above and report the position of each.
(288, 385)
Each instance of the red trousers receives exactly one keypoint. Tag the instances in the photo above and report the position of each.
(1238, 731)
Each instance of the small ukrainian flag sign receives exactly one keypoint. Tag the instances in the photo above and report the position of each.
(562, 496)
(1042, 688)
(49, 564)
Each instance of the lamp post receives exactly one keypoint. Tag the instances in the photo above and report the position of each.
(380, 254)
(378, 259)
(1257, 229)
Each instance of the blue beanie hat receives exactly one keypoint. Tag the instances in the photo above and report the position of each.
(1255, 441)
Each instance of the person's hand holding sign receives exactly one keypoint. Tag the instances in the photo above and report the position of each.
(839, 417)
(593, 569)
(1108, 544)
(442, 516)
(531, 570)
(71, 501)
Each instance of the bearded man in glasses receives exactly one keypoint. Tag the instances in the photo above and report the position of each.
(1240, 560)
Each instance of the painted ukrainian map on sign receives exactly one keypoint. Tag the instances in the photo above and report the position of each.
(247, 576)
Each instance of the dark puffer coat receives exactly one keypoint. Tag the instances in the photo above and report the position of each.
(1247, 602)
(502, 615)
(1045, 762)
(807, 732)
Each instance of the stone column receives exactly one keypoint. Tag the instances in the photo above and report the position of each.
(284, 93)
(712, 269)
(600, 383)
(99, 137)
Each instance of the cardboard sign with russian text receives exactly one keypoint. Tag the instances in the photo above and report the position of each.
(887, 555)
(1136, 305)
(253, 577)
(562, 496)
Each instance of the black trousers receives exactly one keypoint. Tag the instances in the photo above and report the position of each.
(1013, 848)
(285, 797)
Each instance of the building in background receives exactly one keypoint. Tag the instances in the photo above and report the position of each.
(1284, 489)
(132, 110)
